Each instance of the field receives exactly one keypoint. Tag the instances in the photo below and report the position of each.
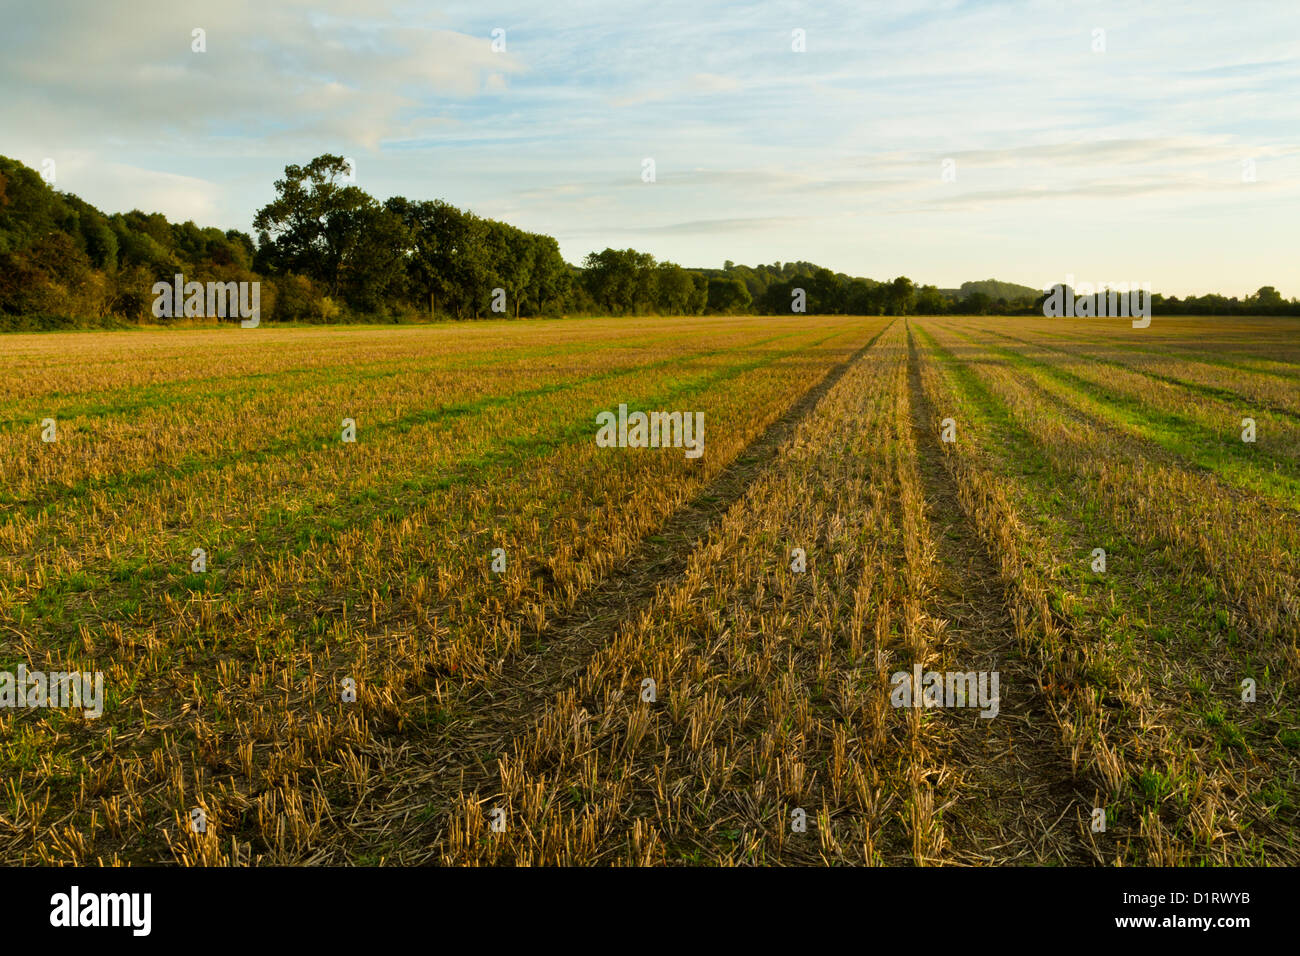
(345, 674)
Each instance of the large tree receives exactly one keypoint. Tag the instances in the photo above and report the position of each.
(551, 275)
(318, 226)
(900, 298)
(728, 295)
(1268, 299)
(620, 281)
(676, 289)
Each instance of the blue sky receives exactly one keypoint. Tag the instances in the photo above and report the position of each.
(1169, 155)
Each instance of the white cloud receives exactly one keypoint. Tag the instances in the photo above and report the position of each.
(294, 73)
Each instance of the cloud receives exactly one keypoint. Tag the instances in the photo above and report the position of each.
(178, 197)
(640, 98)
(714, 83)
(697, 84)
(713, 226)
(1129, 189)
(291, 73)
(1181, 151)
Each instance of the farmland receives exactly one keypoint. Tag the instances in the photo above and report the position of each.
(474, 636)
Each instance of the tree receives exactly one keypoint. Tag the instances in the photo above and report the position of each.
(445, 257)
(507, 261)
(900, 298)
(551, 275)
(676, 290)
(29, 208)
(978, 303)
(862, 297)
(700, 297)
(311, 226)
(523, 253)
(930, 301)
(620, 281)
(728, 295)
(372, 260)
(776, 298)
(1268, 299)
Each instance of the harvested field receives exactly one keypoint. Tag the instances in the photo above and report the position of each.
(473, 635)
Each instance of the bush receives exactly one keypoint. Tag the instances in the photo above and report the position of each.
(299, 299)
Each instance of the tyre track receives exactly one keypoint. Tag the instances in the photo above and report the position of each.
(458, 757)
(1013, 798)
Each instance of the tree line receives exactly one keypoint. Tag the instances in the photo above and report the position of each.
(327, 251)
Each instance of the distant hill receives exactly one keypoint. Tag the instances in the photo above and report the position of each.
(995, 290)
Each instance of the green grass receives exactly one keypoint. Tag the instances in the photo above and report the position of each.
(1250, 466)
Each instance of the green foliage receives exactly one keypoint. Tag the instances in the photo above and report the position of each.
(332, 232)
(614, 277)
(300, 299)
(728, 296)
(29, 209)
(1010, 291)
(327, 251)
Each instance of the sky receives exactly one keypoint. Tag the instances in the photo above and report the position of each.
(946, 141)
